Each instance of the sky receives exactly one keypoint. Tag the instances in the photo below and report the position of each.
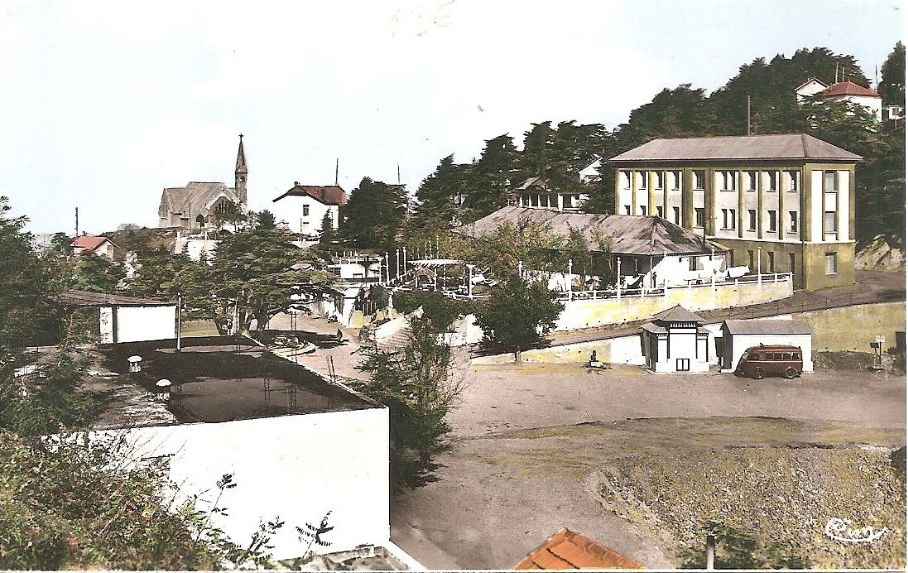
(103, 104)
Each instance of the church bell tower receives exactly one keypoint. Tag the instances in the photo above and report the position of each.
(239, 175)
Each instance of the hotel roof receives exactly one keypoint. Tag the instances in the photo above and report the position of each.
(626, 234)
(791, 146)
(568, 550)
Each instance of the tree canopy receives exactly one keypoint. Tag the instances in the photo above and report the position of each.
(374, 215)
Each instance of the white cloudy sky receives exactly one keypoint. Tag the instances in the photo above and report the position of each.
(102, 104)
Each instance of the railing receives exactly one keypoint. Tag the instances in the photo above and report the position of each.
(771, 278)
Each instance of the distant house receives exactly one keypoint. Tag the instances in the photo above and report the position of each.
(539, 193)
(739, 335)
(842, 91)
(302, 207)
(125, 318)
(94, 245)
(675, 341)
(195, 206)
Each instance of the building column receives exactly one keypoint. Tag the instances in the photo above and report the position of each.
(709, 203)
(851, 204)
(806, 203)
(759, 204)
(633, 175)
(780, 216)
(665, 196)
(651, 193)
(687, 198)
(741, 207)
(618, 177)
(560, 202)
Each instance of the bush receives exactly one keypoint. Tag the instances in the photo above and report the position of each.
(441, 311)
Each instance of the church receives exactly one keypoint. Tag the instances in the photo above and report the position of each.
(195, 205)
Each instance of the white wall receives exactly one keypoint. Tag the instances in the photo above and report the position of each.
(137, 323)
(289, 210)
(816, 206)
(298, 467)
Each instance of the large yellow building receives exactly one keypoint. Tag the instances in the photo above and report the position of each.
(779, 203)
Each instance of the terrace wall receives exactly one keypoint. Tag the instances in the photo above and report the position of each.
(297, 467)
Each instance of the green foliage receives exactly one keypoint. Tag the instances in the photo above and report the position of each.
(441, 311)
(736, 549)
(892, 82)
(374, 214)
(438, 194)
(227, 212)
(97, 274)
(61, 243)
(265, 220)
(328, 234)
(518, 315)
(161, 274)
(419, 385)
(492, 177)
(254, 275)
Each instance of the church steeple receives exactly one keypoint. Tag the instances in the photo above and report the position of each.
(241, 172)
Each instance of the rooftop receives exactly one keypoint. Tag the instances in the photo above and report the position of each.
(790, 146)
(626, 234)
(761, 326)
(88, 243)
(848, 88)
(213, 379)
(327, 194)
(678, 313)
(569, 550)
(84, 298)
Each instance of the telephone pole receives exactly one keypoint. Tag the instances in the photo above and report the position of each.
(748, 114)
(77, 221)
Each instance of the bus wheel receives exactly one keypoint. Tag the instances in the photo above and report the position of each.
(790, 373)
(758, 373)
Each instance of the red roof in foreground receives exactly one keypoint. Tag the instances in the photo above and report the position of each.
(848, 89)
(569, 550)
(88, 243)
(327, 194)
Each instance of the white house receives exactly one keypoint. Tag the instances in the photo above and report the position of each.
(94, 245)
(303, 207)
(675, 341)
(126, 318)
(842, 91)
(739, 335)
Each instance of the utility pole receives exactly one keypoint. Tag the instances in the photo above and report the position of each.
(179, 319)
(337, 163)
(77, 221)
(398, 173)
(748, 114)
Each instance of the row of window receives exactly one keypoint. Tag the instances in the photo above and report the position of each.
(729, 180)
(832, 262)
(729, 220)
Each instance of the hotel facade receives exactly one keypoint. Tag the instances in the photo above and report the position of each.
(779, 203)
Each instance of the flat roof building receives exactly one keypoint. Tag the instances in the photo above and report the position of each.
(779, 203)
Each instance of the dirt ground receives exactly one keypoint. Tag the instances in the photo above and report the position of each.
(529, 440)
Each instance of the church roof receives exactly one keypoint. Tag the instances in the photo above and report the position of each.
(326, 194)
(241, 158)
(195, 198)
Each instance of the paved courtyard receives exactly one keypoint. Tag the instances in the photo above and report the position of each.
(529, 439)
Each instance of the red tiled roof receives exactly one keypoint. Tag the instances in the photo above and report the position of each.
(327, 194)
(569, 550)
(848, 89)
(88, 243)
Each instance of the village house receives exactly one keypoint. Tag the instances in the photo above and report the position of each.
(778, 203)
(842, 91)
(117, 318)
(94, 245)
(195, 206)
(302, 208)
(675, 341)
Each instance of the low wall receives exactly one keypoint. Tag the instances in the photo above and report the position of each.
(589, 313)
(298, 467)
(620, 350)
(853, 328)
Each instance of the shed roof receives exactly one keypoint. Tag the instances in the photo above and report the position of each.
(626, 234)
(84, 298)
(789, 146)
(678, 313)
(767, 327)
(848, 88)
(326, 194)
(569, 550)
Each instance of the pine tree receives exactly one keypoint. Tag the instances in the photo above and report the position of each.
(892, 83)
(493, 176)
(373, 216)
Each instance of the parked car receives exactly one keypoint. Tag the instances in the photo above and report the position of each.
(777, 360)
